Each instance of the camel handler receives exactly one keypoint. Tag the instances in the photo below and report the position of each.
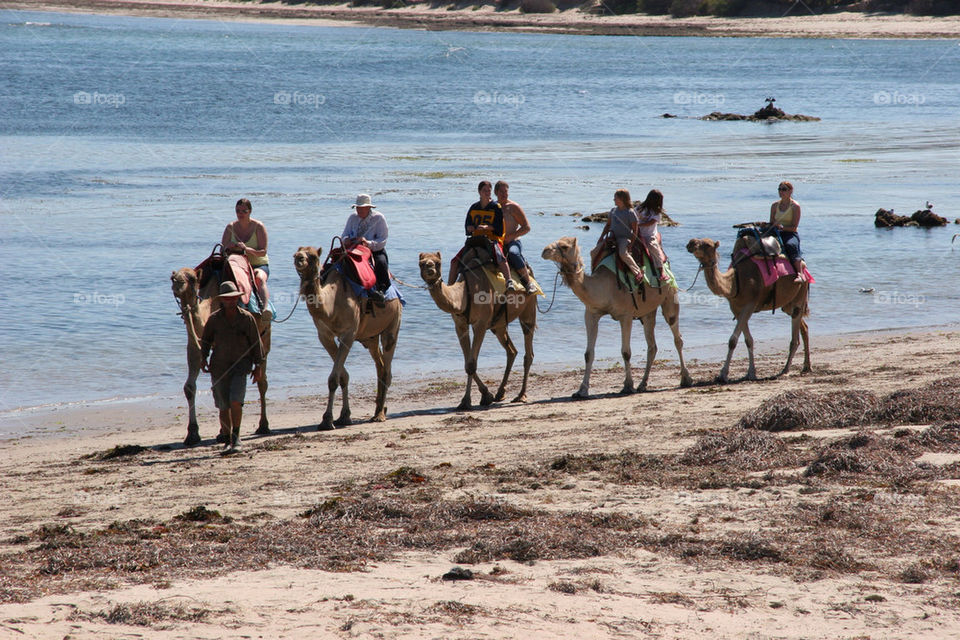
(232, 333)
(369, 227)
(514, 225)
(485, 218)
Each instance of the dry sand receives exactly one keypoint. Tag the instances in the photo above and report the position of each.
(486, 18)
(612, 535)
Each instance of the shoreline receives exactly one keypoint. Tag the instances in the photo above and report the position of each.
(85, 418)
(569, 22)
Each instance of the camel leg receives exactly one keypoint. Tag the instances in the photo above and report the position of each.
(649, 323)
(262, 385)
(190, 391)
(343, 420)
(463, 335)
(338, 377)
(626, 329)
(748, 340)
(591, 322)
(382, 353)
(795, 327)
(528, 329)
(732, 344)
(671, 313)
(486, 398)
(804, 333)
(511, 350)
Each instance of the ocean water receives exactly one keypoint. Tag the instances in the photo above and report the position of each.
(124, 143)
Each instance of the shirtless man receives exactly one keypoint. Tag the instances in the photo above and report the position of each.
(514, 225)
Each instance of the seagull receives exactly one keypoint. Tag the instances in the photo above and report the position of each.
(869, 289)
(929, 205)
(770, 101)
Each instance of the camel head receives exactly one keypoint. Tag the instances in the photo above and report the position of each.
(564, 251)
(184, 284)
(704, 250)
(430, 267)
(307, 263)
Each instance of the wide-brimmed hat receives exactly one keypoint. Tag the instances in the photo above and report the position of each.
(229, 290)
(363, 200)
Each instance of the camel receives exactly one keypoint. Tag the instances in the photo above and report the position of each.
(196, 307)
(474, 305)
(744, 290)
(602, 296)
(340, 320)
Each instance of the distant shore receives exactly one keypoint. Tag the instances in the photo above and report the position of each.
(486, 18)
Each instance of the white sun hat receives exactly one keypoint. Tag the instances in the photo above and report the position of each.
(363, 200)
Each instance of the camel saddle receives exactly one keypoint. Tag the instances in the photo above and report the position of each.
(356, 263)
(233, 267)
(758, 242)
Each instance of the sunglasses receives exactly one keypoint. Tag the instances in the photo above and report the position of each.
(783, 188)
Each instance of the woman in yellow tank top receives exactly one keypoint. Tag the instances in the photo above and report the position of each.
(250, 237)
(785, 215)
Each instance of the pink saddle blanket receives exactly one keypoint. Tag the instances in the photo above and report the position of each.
(773, 270)
(242, 274)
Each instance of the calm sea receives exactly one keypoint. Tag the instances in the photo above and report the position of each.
(124, 143)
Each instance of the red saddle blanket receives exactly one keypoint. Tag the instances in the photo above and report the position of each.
(358, 265)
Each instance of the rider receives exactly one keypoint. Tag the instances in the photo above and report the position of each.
(514, 225)
(248, 236)
(649, 212)
(368, 227)
(485, 218)
(785, 216)
(622, 222)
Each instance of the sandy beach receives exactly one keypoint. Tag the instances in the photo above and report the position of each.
(676, 513)
(486, 18)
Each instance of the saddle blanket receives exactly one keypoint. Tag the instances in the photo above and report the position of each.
(499, 283)
(361, 257)
(240, 268)
(773, 270)
(392, 293)
(650, 278)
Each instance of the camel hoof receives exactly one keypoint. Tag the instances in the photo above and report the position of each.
(486, 400)
(262, 430)
(343, 421)
(626, 390)
(580, 395)
(465, 405)
(192, 440)
(806, 370)
(500, 395)
(686, 381)
(721, 379)
(326, 425)
(752, 376)
(521, 398)
(641, 387)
